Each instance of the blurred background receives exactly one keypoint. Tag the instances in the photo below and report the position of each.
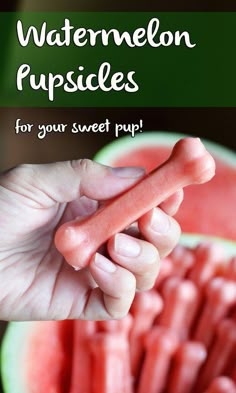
(216, 124)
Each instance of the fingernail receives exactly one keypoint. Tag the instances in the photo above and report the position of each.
(129, 172)
(104, 264)
(160, 222)
(126, 246)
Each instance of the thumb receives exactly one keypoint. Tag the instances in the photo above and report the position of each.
(66, 181)
(103, 182)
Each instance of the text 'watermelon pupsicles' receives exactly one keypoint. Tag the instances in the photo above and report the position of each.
(189, 163)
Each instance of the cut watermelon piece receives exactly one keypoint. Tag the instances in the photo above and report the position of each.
(41, 353)
(207, 209)
(36, 357)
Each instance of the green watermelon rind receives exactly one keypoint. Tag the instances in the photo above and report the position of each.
(14, 346)
(193, 239)
(125, 144)
(13, 356)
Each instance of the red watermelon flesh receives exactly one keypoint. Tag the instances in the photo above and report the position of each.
(49, 357)
(207, 208)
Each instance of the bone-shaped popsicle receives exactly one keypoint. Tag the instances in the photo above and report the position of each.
(189, 163)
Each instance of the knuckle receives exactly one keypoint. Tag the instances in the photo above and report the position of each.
(167, 243)
(149, 260)
(147, 281)
(19, 172)
(153, 253)
(84, 164)
(118, 314)
(129, 285)
(120, 307)
(126, 288)
(147, 286)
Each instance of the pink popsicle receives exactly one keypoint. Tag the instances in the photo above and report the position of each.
(145, 308)
(121, 327)
(208, 258)
(221, 295)
(182, 259)
(222, 385)
(161, 344)
(111, 362)
(189, 163)
(221, 354)
(82, 359)
(180, 297)
(187, 361)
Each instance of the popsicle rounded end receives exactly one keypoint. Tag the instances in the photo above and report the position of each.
(195, 160)
(69, 242)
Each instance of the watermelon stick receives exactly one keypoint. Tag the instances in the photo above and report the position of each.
(161, 345)
(182, 259)
(110, 351)
(187, 361)
(121, 327)
(222, 353)
(81, 363)
(208, 260)
(180, 298)
(221, 295)
(189, 163)
(221, 385)
(146, 306)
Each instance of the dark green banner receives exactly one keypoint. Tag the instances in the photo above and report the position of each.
(118, 59)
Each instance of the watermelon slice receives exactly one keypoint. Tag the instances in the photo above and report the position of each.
(208, 208)
(41, 352)
(36, 357)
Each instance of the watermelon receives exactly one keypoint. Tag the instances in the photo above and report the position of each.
(208, 208)
(41, 352)
(36, 357)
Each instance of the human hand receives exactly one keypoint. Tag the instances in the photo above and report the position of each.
(36, 282)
